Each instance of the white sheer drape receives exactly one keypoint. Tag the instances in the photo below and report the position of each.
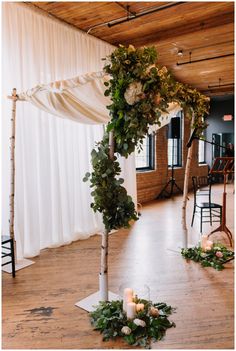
(52, 204)
(82, 99)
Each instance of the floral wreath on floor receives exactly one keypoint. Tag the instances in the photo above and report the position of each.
(149, 323)
(209, 254)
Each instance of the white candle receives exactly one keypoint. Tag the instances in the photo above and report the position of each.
(128, 297)
(209, 243)
(131, 310)
(139, 307)
(203, 240)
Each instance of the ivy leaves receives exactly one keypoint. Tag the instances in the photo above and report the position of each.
(110, 197)
(110, 318)
(215, 258)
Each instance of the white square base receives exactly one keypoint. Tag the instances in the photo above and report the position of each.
(90, 302)
(19, 265)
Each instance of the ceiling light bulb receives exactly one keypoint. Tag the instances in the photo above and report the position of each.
(180, 53)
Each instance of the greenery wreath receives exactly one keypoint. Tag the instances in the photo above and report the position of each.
(140, 92)
(216, 257)
(150, 324)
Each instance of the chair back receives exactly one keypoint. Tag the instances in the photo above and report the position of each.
(202, 186)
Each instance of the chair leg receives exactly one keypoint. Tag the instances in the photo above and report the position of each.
(201, 222)
(194, 209)
(13, 259)
(210, 217)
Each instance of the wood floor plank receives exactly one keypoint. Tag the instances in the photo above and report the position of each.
(38, 305)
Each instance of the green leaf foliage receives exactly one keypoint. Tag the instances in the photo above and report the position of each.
(109, 318)
(134, 72)
(209, 258)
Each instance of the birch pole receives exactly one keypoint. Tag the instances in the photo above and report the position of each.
(103, 276)
(13, 97)
(185, 193)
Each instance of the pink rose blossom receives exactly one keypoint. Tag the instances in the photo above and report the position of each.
(219, 254)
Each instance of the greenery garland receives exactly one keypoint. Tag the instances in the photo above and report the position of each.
(215, 258)
(149, 324)
(140, 92)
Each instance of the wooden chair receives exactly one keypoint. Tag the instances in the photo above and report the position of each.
(208, 210)
(8, 251)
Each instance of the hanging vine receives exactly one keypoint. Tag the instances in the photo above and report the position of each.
(140, 92)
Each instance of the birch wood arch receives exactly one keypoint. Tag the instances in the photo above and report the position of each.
(140, 92)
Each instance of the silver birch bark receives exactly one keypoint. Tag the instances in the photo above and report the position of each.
(103, 277)
(12, 168)
(12, 164)
(185, 194)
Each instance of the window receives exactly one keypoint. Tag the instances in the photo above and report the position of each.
(144, 157)
(201, 151)
(175, 147)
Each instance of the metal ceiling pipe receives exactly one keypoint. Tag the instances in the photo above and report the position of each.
(205, 59)
(220, 86)
(160, 8)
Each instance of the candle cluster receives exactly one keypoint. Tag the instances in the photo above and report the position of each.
(129, 306)
(206, 244)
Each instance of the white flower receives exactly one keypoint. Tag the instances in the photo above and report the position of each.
(208, 248)
(203, 255)
(154, 311)
(139, 322)
(126, 330)
(133, 93)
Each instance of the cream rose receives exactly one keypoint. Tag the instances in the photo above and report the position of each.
(133, 93)
(126, 330)
(139, 322)
(154, 311)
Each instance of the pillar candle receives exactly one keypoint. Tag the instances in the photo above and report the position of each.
(128, 297)
(204, 240)
(139, 307)
(209, 245)
(131, 310)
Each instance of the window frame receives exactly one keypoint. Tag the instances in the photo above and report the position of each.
(151, 153)
(204, 157)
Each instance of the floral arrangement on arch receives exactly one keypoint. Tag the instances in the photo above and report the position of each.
(140, 92)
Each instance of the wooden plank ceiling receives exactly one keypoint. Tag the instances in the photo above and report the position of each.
(202, 31)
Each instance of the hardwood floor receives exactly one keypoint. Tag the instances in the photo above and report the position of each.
(38, 305)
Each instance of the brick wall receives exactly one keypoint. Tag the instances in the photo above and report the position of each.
(150, 184)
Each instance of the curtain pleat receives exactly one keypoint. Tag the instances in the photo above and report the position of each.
(52, 204)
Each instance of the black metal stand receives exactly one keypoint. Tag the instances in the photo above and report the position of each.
(172, 183)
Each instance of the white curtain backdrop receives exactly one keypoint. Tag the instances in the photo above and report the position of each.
(52, 204)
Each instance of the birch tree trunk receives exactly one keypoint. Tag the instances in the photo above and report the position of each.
(103, 276)
(185, 194)
(12, 169)
(12, 164)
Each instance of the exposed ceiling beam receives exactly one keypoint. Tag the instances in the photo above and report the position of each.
(178, 31)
